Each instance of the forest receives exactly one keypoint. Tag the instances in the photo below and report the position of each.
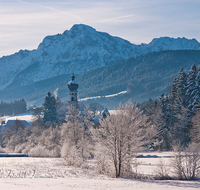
(13, 108)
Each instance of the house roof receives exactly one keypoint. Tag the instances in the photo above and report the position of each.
(10, 122)
(105, 111)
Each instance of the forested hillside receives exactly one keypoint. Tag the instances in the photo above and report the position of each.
(143, 77)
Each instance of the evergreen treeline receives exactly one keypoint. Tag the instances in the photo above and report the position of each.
(16, 107)
(143, 77)
(172, 114)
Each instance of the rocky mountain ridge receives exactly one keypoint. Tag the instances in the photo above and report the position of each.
(81, 49)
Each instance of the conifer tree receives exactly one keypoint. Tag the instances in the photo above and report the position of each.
(50, 108)
(181, 87)
(198, 85)
(166, 121)
(191, 88)
(174, 89)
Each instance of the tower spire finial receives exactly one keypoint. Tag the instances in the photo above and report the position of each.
(73, 77)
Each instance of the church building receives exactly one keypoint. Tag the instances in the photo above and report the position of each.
(73, 94)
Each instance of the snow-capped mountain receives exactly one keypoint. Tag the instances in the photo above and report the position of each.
(166, 43)
(81, 49)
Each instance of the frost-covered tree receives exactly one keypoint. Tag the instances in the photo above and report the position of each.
(75, 137)
(196, 128)
(74, 126)
(50, 108)
(120, 137)
(14, 135)
(186, 162)
(61, 111)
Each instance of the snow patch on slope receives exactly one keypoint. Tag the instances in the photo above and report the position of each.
(107, 96)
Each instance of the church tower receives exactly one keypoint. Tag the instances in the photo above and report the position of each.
(73, 86)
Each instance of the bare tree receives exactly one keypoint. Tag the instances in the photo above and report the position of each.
(120, 136)
(162, 170)
(186, 162)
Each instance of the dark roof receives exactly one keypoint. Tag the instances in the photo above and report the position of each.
(105, 111)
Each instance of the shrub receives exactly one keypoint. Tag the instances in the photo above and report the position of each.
(162, 171)
(105, 167)
(186, 162)
(40, 151)
(72, 155)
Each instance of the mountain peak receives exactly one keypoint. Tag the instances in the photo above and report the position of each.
(84, 27)
(77, 29)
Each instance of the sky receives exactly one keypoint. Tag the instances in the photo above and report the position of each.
(25, 23)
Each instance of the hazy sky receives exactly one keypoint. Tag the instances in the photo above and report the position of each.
(24, 23)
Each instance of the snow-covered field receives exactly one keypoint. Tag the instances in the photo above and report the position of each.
(53, 173)
(148, 162)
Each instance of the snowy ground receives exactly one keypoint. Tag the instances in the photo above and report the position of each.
(53, 173)
(148, 163)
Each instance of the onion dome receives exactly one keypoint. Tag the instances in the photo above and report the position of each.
(72, 85)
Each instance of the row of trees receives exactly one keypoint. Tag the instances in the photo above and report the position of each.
(113, 143)
(16, 107)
